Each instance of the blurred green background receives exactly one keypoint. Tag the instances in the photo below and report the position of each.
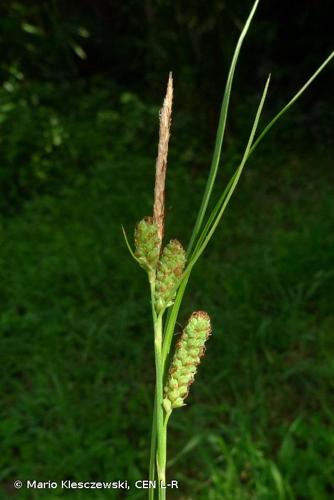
(81, 85)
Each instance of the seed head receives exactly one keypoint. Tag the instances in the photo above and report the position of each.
(147, 243)
(169, 270)
(188, 352)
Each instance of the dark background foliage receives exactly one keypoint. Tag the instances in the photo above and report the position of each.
(81, 85)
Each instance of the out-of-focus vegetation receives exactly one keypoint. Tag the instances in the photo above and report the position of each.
(78, 130)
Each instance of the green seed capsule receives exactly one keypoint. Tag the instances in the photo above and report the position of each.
(188, 352)
(169, 270)
(147, 244)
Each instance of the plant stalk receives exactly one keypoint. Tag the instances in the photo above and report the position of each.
(152, 452)
(161, 433)
(159, 428)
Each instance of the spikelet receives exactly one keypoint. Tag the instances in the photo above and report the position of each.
(170, 268)
(161, 163)
(147, 244)
(188, 352)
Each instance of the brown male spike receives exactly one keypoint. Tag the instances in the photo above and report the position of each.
(161, 163)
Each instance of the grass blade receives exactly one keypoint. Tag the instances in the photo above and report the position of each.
(220, 132)
(258, 140)
(208, 232)
(290, 103)
(225, 197)
(222, 203)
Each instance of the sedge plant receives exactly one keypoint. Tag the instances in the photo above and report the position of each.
(169, 266)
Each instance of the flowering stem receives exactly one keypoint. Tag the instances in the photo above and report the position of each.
(159, 429)
(161, 437)
(152, 453)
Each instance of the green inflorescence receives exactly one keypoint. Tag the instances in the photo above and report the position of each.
(188, 352)
(169, 270)
(147, 244)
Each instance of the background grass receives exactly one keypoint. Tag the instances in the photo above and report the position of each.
(76, 341)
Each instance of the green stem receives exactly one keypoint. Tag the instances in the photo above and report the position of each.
(158, 442)
(152, 453)
(163, 452)
(161, 433)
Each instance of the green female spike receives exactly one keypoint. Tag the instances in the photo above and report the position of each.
(188, 352)
(169, 270)
(147, 244)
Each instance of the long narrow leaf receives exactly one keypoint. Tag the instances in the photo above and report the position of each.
(173, 312)
(220, 132)
(225, 199)
(220, 208)
(175, 309)
(258, 140)
(290, 103)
